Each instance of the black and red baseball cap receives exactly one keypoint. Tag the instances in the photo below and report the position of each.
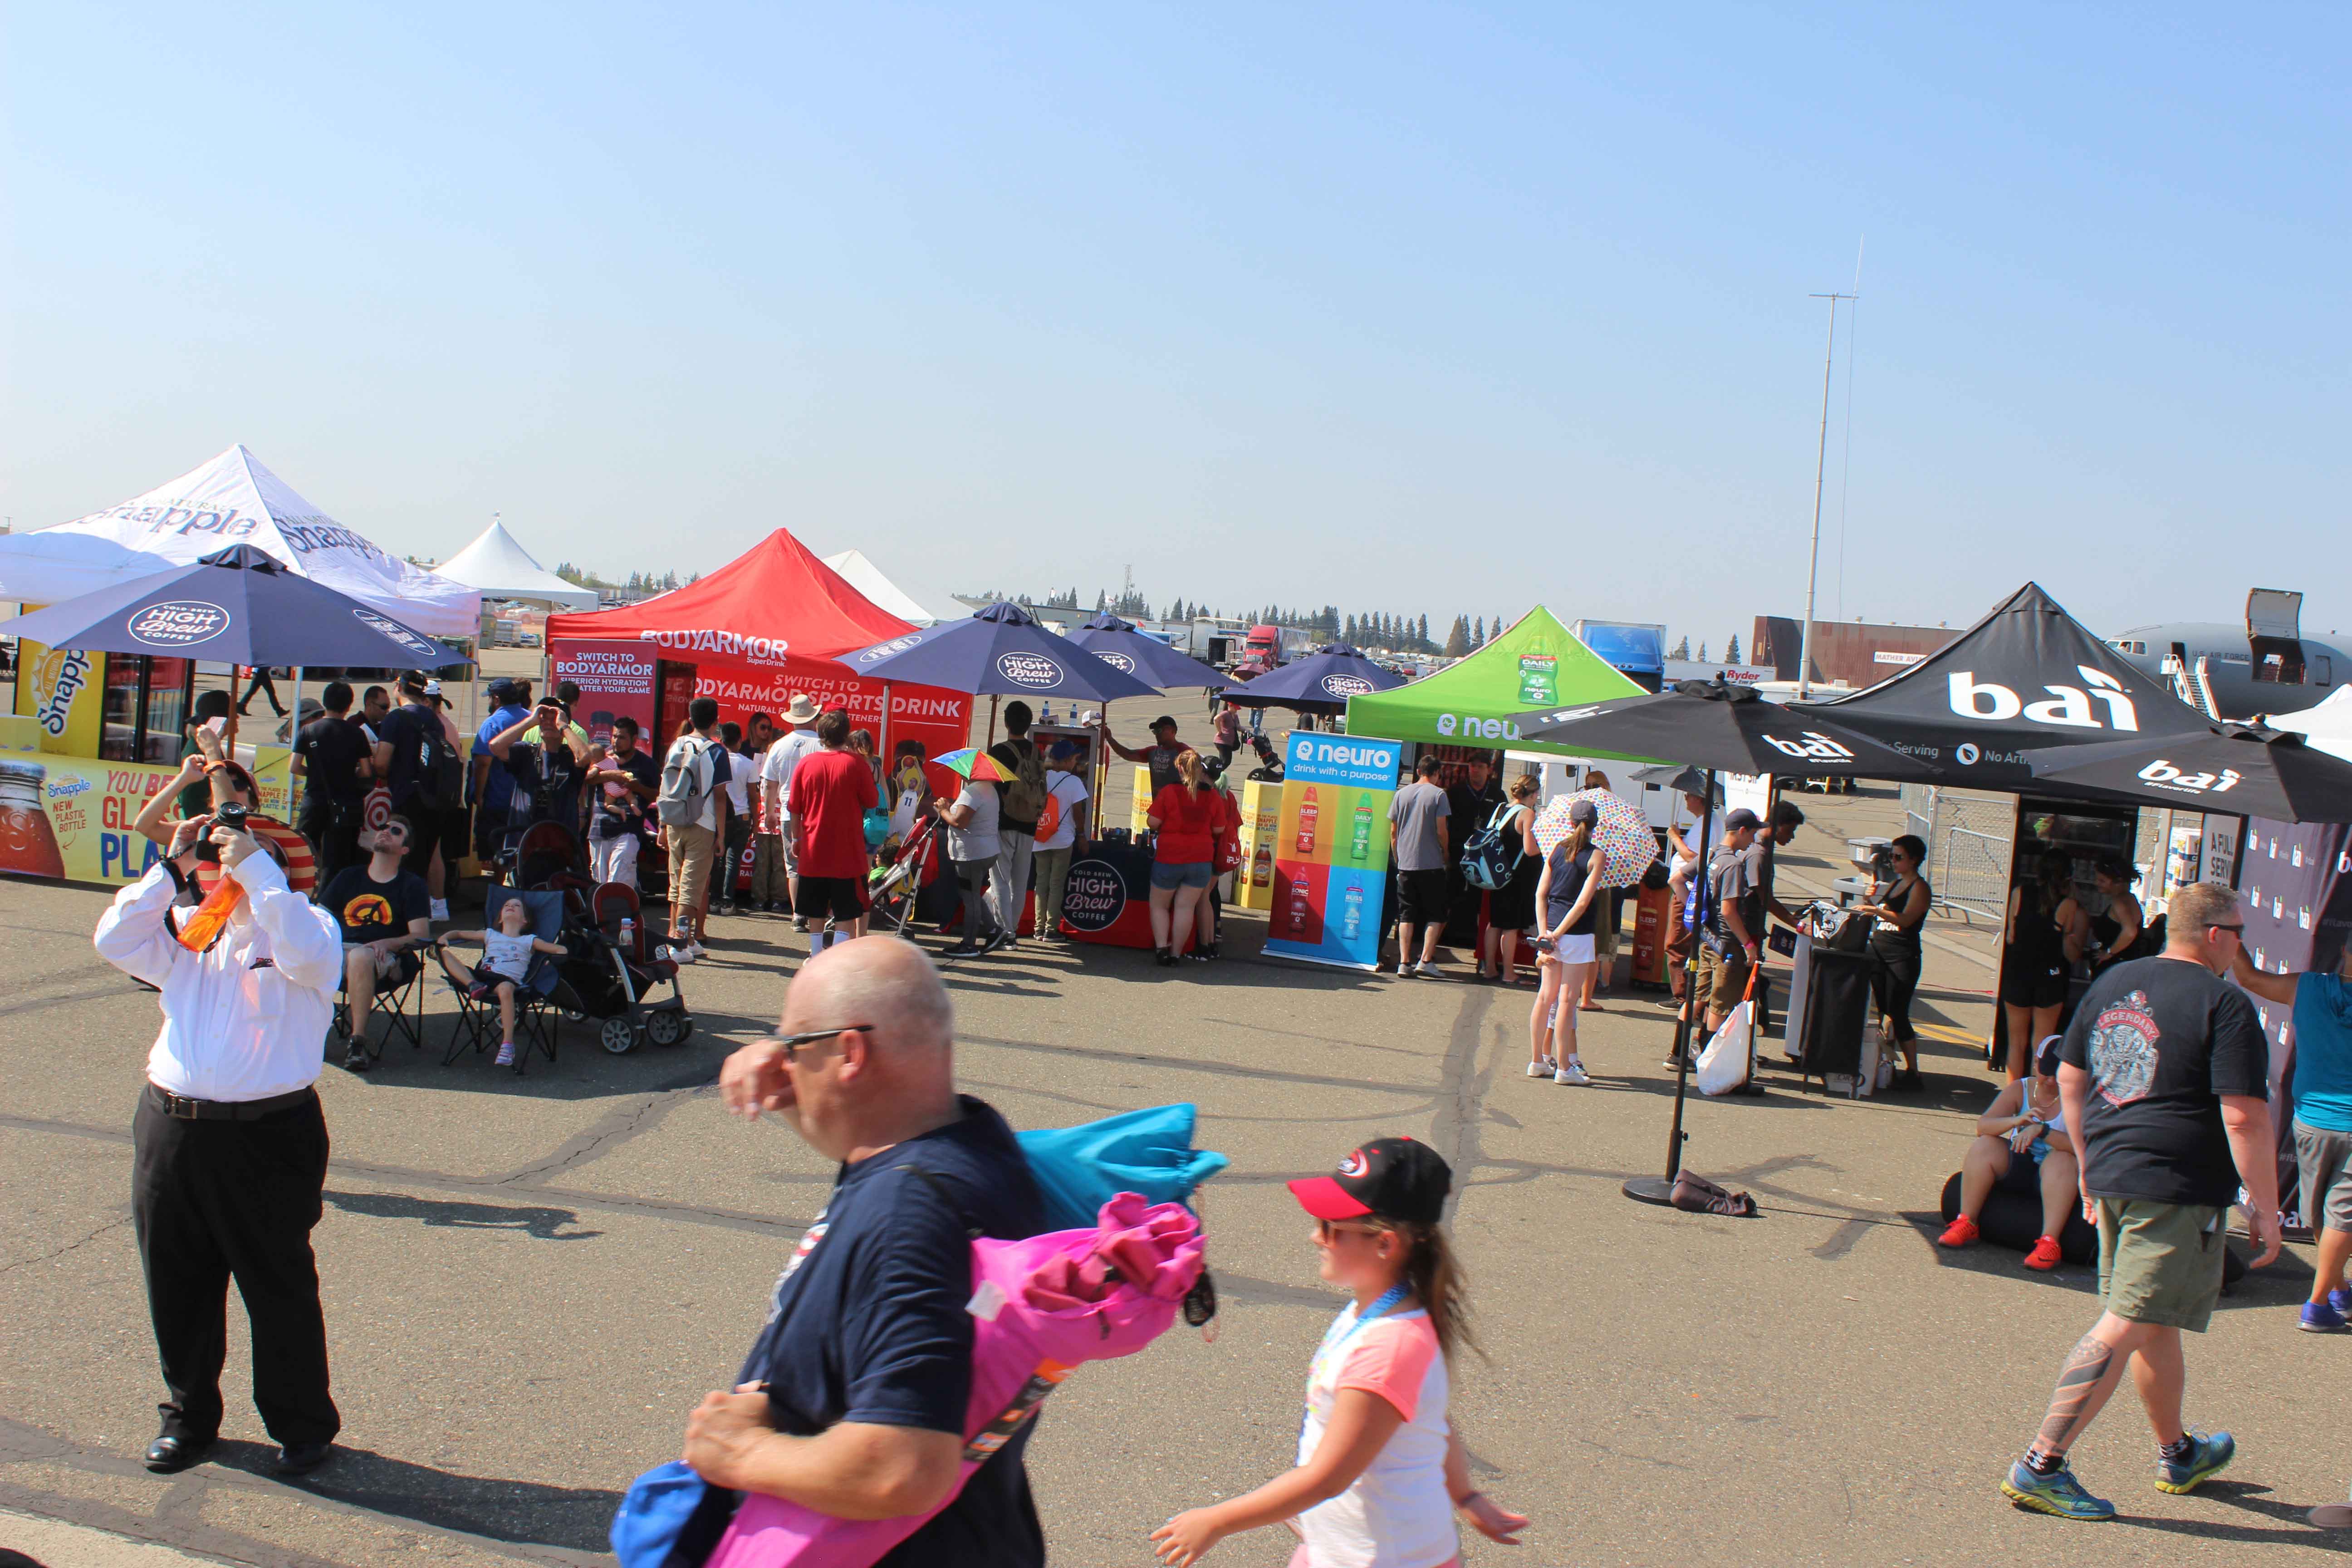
(1394, 1178)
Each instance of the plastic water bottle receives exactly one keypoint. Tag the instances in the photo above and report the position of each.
(628, 936)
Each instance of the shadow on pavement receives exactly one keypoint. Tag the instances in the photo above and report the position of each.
(539, 1223)
(578, 1518)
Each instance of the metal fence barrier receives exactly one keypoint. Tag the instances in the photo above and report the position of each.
(1968, 834)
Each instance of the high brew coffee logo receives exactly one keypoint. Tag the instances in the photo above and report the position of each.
(1093, 896)
(1033, 670)
(384, 626)
(1346, 685)
(176, 622)
(1118, 661)
(2069, 706)
(882, 650)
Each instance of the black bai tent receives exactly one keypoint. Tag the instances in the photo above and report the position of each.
(2028, 675)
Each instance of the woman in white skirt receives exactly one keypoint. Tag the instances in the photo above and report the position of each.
(1565, 897)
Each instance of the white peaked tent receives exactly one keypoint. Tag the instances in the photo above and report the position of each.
(233, 499)
(2327, 726)
(502, 569)
(867, 578)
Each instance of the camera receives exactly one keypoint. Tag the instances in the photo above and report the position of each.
(231, 817)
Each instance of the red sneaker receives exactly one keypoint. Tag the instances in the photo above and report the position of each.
(1961, 1232)
(2044, 1256)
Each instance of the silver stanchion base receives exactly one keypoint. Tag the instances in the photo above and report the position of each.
(1650, 1190)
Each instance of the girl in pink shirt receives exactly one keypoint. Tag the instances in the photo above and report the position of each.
(1381, 1471)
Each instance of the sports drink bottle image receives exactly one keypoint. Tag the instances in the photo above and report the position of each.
(1354, 922)
(1362, 849)
(1261, 865)
(1300, 913)
(1310, 812)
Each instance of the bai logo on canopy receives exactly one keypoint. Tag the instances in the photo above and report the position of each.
(2068, 705)
(1812, 746)
(2164, 775)
(1033, 670)
(176, 622)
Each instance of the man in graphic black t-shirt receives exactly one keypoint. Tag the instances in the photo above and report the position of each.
(867, 1349)
(2165, 1086)
(385, 913)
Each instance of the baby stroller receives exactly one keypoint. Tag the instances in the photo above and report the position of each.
(609, 975)
(534, 856)
(893, 890)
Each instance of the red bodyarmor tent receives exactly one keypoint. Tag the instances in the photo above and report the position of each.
(774, 621)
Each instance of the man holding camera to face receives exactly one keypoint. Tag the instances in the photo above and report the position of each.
(229, 1149)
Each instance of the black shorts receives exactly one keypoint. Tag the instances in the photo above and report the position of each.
(1422, 897)
(429, 826)
(2025, 985)
(836, 898)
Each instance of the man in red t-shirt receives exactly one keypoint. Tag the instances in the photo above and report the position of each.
(832, 790)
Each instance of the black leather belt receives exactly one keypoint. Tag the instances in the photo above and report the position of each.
(187, 1110)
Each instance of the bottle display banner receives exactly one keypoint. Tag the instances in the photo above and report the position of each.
(1331, 848)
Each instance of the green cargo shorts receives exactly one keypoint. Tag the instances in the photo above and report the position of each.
(2160, 1263)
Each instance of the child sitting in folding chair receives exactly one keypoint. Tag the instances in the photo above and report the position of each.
(506, 963)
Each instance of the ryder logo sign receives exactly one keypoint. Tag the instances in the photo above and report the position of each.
(176, 622)
(1812, 746)
(2165, 775)
(2069, 706)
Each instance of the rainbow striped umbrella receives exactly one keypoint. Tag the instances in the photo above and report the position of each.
(974, 765)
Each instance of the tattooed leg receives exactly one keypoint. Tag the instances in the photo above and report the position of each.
(2091, 1371)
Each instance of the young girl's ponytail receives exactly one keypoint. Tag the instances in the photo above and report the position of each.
(1435, 1278)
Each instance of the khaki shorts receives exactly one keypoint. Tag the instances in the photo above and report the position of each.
(1722, 977)
(2160, 1263)
(2324, 1161)
(691, 850)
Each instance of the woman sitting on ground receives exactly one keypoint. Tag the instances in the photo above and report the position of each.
(2116, 929)
(2021, 1144)
(1901, 902)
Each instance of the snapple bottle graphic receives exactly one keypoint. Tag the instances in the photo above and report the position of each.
(1300, 913)
(1261, 865)
(1539, 675)
(1355, 917)
(27, 844)
(1361, 847)
(1309, 814)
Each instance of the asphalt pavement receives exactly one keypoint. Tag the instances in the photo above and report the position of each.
(529, 1282)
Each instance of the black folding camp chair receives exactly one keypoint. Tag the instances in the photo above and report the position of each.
(538, 1000)
(401, 1006)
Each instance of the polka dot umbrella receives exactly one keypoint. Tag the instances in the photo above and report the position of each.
(1620, 832)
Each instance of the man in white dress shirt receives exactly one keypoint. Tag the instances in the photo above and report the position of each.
(229, 1150)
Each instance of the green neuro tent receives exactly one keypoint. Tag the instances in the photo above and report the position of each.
(1538, 663)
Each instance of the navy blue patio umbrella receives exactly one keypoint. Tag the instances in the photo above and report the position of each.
(997, 651)
(236, 606)
(1117, 643)
(1320, 683)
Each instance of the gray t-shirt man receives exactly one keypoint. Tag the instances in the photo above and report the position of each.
(1731, 875)
(1416, 810)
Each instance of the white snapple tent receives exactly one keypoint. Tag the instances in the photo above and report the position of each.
(503, 569)
(233, 499)
(867, 578)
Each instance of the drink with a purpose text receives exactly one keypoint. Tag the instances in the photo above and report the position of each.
(1362, 849)
(1354, 922)
(1310, 812)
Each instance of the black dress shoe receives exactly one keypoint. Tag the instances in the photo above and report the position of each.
(301, 1458)
(171, 1453)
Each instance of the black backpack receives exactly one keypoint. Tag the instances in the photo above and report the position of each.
(440, 769)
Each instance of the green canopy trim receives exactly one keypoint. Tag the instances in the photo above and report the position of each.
(1538, 663)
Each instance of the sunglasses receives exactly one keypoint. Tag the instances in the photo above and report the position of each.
(792, 1042)
(1328, 1230)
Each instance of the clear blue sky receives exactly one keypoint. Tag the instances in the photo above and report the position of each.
(1417, 309)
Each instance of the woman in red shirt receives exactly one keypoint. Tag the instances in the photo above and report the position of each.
(1187, 816)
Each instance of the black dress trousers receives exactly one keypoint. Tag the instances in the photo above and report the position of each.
(217, 1200)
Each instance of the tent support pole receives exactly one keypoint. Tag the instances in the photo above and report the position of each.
(1650, 1189)
(882, 746)
(992, 723)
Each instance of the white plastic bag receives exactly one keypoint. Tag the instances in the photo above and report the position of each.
(1723, 1065)
(1869, 1080)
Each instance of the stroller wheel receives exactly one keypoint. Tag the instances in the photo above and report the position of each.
(617, 1035)
(669, 1027)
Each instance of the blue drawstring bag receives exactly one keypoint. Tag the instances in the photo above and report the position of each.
(1077, 1169)
(1150, 1152)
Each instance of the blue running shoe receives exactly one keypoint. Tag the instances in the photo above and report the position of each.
(2208, 1457)
(2321, 1318)
(2059, 1493)
(2341, 1300)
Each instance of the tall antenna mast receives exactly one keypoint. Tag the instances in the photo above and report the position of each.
(1821, 467)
